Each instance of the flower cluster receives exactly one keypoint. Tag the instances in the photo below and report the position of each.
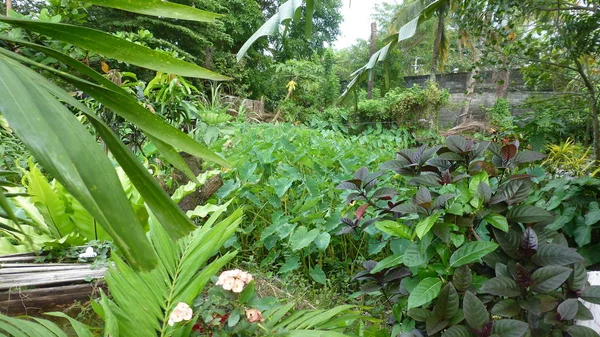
(234, 280)
(182, 312)
(253, 316)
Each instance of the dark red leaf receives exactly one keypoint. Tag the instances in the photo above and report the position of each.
(509, 151)
(523, 277)
(361, 211)
(529, 243)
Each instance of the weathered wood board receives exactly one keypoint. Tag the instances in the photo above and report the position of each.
(26, 286)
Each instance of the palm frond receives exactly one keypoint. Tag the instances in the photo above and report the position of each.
(143, 301)
(406, 22)
(284, 321)
(37, 327)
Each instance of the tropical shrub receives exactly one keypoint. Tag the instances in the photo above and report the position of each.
(575, 203)
(281, 176)
(466, 234)
(500, 117)
(568, 159)
(413, 107)
(65, 148)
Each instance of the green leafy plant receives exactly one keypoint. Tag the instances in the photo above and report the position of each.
(568, 158)
(72, 156)
(468, 217)
(574, 201)
(500, 116)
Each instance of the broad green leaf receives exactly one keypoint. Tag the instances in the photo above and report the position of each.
(446, 305)
(462, 278)
(68, 152)
(583, 313)
(290, 264)
(581, 331)
(501, 286)
(302, 238)
(388, 262)
(475, 312)
(506, 308)
(567, 309)
(578, 279)
(322, 241)
(317, 274)
(395, 228)
(424, 292)
(591, 294)
(113, 47)
(529, 214)
(510, 328)
(547, 279)
(583, 235)
(593, 215)
(424, 226)
(285, 13)
(554, 254)
(281, 185)
(415, 255)
(419, 314)
(471, 252)
(168, 213)
(497, 220)
(120, 102)
(159, 8)
(434, 324)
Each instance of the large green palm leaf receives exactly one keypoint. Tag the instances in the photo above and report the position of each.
(32, 106)
(143, 301)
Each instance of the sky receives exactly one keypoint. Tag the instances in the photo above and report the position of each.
(357, 21)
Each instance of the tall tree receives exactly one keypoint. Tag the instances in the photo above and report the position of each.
(372, 50)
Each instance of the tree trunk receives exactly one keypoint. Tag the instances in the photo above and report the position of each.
(8, 6)
(461, 55)
(437, 45)
(502, 78)
(372, 51)
(594, 106)
(465, 113)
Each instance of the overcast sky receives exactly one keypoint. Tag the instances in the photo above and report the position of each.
(357, 21)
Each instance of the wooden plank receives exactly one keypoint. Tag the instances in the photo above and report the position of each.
(48, 278)
(19, 265)
(18, 259)
(72, 288)
(41, 269)
(47, 299)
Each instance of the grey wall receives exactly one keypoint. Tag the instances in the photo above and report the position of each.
(483, 97)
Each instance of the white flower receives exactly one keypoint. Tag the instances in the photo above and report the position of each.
(182, 312)
(88, 254)
(238, 286)
(234, 280)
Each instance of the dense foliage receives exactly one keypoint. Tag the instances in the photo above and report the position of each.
(334, 187)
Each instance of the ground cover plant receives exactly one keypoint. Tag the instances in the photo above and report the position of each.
(282, 178)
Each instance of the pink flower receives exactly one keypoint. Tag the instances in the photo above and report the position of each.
(253, 316)
(234, 280)
(182, 312)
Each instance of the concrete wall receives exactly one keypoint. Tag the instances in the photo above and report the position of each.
(483, 97)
